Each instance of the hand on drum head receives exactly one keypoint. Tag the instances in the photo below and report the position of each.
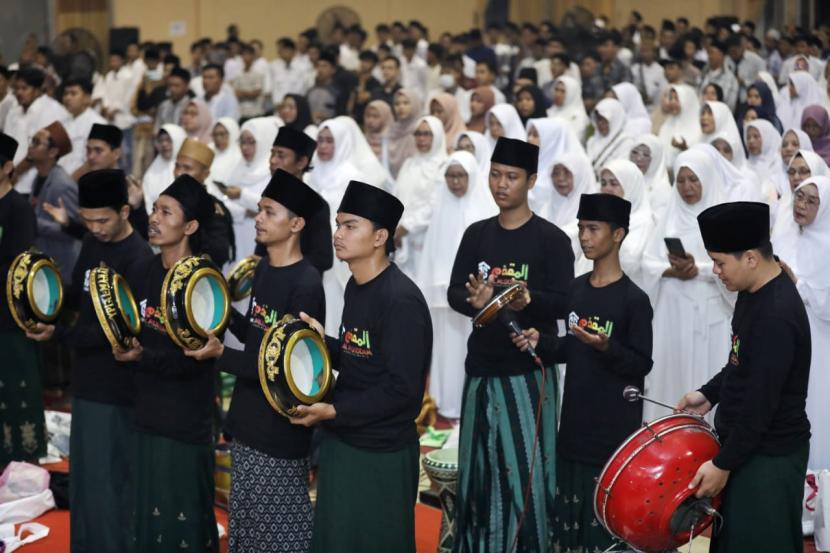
(309, 415)
(133, 354)
(694, 402)
(212, 349)
(41, 333)
(480, 291)
(529, 337)
(522, 300)
(313, 323)
(709, 480)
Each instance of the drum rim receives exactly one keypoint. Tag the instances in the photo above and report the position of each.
(440, 464)
(243, 269)
(39, 264)
(10, 297)
(289, 377)
(269, 396)
(499, 301)
(199, 273)
(24, 320)
(108, 325)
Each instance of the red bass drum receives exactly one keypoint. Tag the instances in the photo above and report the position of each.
(642, 496)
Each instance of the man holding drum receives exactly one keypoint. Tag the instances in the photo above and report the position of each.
(761, 392)
(368, 470)
(499, 505)
(102, 391)
(173, 439)
(270, 456)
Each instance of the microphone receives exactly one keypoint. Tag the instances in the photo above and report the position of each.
(632, 394)
(509, 318)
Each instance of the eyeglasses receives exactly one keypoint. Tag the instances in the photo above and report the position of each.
(421, 134)
(802, 198)
(802, 172)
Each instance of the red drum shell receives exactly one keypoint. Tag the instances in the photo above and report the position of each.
(647, 479)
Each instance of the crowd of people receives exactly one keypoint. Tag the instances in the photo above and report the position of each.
(223, 152)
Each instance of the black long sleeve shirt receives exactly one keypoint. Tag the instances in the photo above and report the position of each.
(761, 393)
(277, 291)
(173, 393)
(96, 375)
(18, 229)
(538, 254)
(595, 418)
(383, 355)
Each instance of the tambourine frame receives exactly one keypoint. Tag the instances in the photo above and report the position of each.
(262, 378)
(36, 266)
(118, 283)
(242, 269)
(496, 304)
(289, 376)
(191, 284)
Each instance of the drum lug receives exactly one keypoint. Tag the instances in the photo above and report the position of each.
(651, 431)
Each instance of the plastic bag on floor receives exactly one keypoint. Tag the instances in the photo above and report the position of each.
(821, 531)
(24, 493)
(27, 533)
(808, 506)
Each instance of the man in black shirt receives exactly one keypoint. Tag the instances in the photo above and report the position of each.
(608, 347)
(270, 456)
(504, 387)
(761, 392)
(102, 389)
(369, 452)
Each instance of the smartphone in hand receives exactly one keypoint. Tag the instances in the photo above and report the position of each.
(675, 247)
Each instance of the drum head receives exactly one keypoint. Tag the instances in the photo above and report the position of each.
(442, 457)
(306, 366)
(207, 301)
(241, 278)
(126, 304)
(45, 291)
(500, 300)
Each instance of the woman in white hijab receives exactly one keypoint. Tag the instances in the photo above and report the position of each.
(478, 145)
(554, 137)
(647, 155)
(681, 129)
(568, 106)
(803, 165)
(792, 141)
(610, 141)
(802, 91)
(739, 185)
(570, 177)
(362, 156)
(415, 187)
(716, 119)
(691, 310)
(462, 198)
(764, 145)
(637, 121)
(503, 121)
(624, 179)
(248, 179)
(159, 174)
(802, 243)
(226, 153)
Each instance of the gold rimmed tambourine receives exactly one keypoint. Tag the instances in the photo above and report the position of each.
(294, 366)
(195, 301)
(34, 289)
(499, 301)
(115, 306)
(241, 278)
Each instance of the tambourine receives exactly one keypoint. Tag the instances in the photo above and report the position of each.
(115, 306)
(294, 366)
(503, 298)
(34, 289)
(241, 278)
(195, 301)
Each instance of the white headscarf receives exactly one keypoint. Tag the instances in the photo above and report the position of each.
(658, 186)
(724, 122)
(510, 121)
(450, 218)
(361, 154)
(555, 138)
(253, 176)
(330, 178)
(738, 186)
(159, 174)
(638, 120)
(419, 173)
(561, 210)
(767, 165)
(818, 168)
(616, 144)
(572, 110)
(799, 246)
(225, 161)
(685, 125)
(804, 143)
(482, 151)
(809, 93)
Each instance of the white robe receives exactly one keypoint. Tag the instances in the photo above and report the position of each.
(572, 110)
(224, 162)
(683, 126)
(691, 317)
(658, 187)
(616, 144)
(78, 130)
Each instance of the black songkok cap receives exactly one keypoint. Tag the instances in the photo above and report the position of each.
(103, 188)
(294, 194)
(296, 140)
(370, 202)
(516, 153)
(604, 207)
(192, 196)
(8, 147)
(110, 134)
(181, 73)
(735, 227)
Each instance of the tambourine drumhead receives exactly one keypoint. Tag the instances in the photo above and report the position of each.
(489, 311)
(294, 366)
(206, 298)
(34, 289)
(241, 278)
(126, 304)
(442, 458)
(114, 306)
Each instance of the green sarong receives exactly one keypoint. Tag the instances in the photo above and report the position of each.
(762, 505)
(173, 496)
(365, 499)
(21, 402)
(99, 477)
(495, 451)
(576, 526)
